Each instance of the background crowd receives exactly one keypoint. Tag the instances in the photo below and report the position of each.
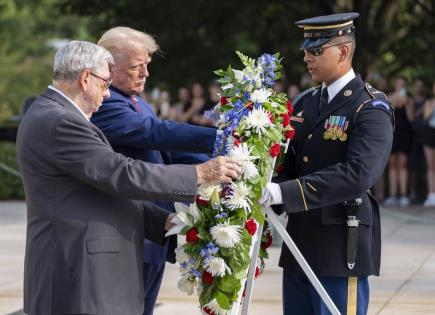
(410, 176)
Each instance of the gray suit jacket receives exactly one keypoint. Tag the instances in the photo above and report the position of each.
(84, 233)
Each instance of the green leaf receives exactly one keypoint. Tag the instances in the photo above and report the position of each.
(223, 301)
(228, 284)
(258, 215)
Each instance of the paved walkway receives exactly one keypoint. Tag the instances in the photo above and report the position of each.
(406, 286)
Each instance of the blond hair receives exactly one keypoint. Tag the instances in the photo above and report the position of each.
(120, 38)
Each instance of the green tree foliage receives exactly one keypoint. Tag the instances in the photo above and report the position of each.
(197, 36)
(10, 185)
(26, 28)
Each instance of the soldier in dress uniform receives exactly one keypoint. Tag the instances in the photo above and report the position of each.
(344, 133)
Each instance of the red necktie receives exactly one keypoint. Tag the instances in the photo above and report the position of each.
(135, 103)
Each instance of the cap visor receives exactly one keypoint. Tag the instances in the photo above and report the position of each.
(312, 43)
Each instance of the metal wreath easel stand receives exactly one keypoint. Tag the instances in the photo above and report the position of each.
(273, 219)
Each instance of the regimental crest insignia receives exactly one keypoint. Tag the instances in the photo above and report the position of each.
(335, 128)
(298, 118)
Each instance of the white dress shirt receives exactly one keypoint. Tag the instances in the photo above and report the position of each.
(337, 85)
(69, 100)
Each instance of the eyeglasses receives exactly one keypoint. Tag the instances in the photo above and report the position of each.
(318, 51)
(107, 82)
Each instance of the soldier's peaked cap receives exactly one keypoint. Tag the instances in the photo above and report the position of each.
(320, 29)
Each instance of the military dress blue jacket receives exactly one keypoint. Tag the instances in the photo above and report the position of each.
(133, 129)
(338, 153)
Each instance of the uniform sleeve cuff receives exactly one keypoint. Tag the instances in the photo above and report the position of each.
(293, 196)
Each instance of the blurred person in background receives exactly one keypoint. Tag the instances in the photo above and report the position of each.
(198, 103)
(214, 94)
(162, 106)
(179, 109)
(292, 91)
(417, 161)
(398, 162)
(279, 87)
(428, 140)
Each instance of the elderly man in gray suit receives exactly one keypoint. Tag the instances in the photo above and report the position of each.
(84, 233)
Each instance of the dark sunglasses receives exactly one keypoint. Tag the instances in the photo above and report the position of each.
(318, 51)
(107, 82)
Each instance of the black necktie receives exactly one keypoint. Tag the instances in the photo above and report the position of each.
(323, 99)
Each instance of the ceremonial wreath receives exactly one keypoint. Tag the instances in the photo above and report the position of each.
(253, 122)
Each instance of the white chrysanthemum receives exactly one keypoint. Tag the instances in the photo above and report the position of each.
(217, 267)
(250, 170)
(185, 285)
(226, 235)
(180, 255)
(216, 308)
(242, 153)
(259, 120)
(206, 191)
(260, 96)
(239, 197)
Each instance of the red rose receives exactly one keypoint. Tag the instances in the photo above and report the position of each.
(208, 311)
(251, 226)
(257, 272)
(274, 150)
(290, 134)
(286, 120)
(271, 118)
(192, 235)
(201, 202)
(237, 142)
(207, 277)
(224, 100)
(280, 168)
(290, 107)
(268, 243)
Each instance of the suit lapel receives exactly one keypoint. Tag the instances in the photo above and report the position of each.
(340, 100)
(312, 112)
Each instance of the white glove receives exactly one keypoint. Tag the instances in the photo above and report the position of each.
(271, 195)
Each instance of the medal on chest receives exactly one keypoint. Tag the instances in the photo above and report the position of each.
(335, 128)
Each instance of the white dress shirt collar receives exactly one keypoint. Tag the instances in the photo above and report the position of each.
(339, 84)
(69, 100)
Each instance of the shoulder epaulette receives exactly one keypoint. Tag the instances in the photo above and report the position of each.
(302, 94)
(377, 98)
(375, 94)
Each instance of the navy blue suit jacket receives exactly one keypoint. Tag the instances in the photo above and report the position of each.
(134, 130)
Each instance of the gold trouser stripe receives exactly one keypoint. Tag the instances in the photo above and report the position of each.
(306, 27)
(303, 195)
(352, 291)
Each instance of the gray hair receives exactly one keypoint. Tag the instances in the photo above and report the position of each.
(119, 38)
(77, 56)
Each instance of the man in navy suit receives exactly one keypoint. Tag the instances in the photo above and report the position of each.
(133, 129)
